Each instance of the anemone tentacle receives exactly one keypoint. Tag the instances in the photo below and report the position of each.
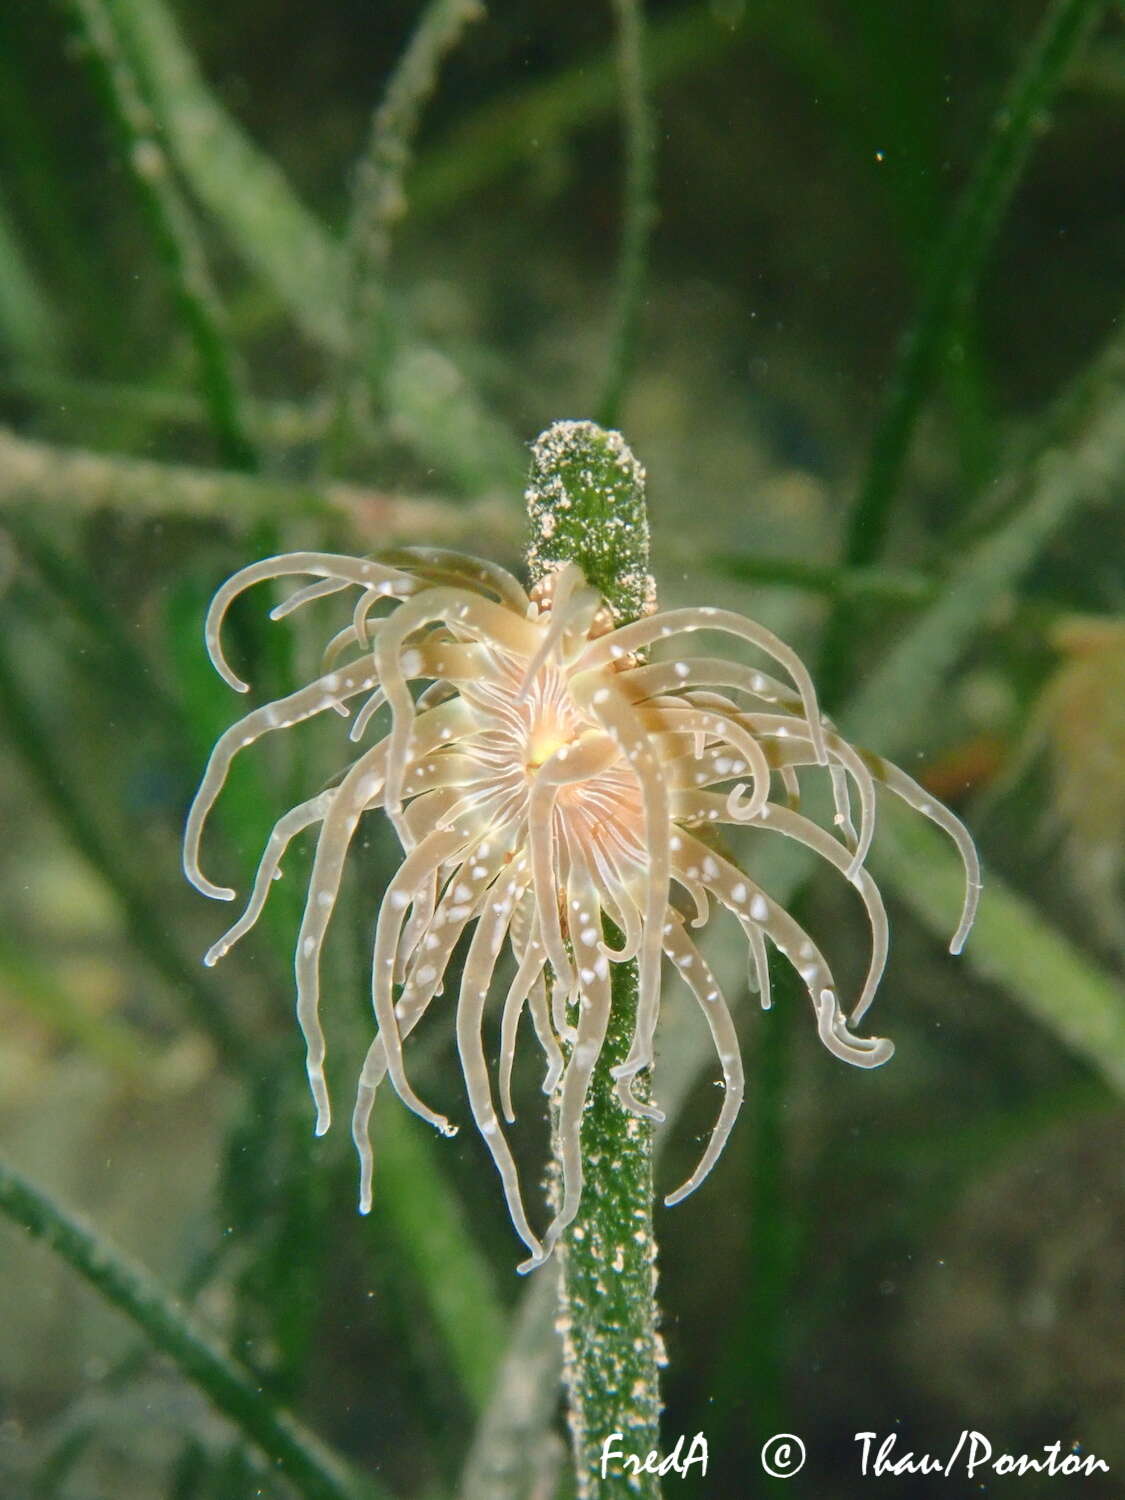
(696, 974)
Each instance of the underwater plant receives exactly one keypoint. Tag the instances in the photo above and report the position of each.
(549, 779)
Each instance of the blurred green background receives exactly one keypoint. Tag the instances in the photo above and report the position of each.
(878, 382)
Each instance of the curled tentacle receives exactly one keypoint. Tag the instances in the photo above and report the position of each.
(334, 569)
(747, 900)
(419, 866)
(481, 959)
(305, 703)
(631, 638)
(284, 831)
(696, 973)
(784, 821)
(528, 975)
(594, 1003)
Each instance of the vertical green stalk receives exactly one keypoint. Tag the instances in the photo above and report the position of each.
(586, 505)
(639, 207)
(951, 282)
(173, 228)
(379, 203)
(28, 323)
(239, 185)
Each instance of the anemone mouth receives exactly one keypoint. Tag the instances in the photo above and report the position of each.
(544, 780)
(545, 738)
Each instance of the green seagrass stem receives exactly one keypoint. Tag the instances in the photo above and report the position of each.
(612, 1350)
(586, 504)
(315, 1472)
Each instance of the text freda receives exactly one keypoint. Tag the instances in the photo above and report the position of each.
(676, 1462)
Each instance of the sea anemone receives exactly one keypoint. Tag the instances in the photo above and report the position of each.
(557, 792)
